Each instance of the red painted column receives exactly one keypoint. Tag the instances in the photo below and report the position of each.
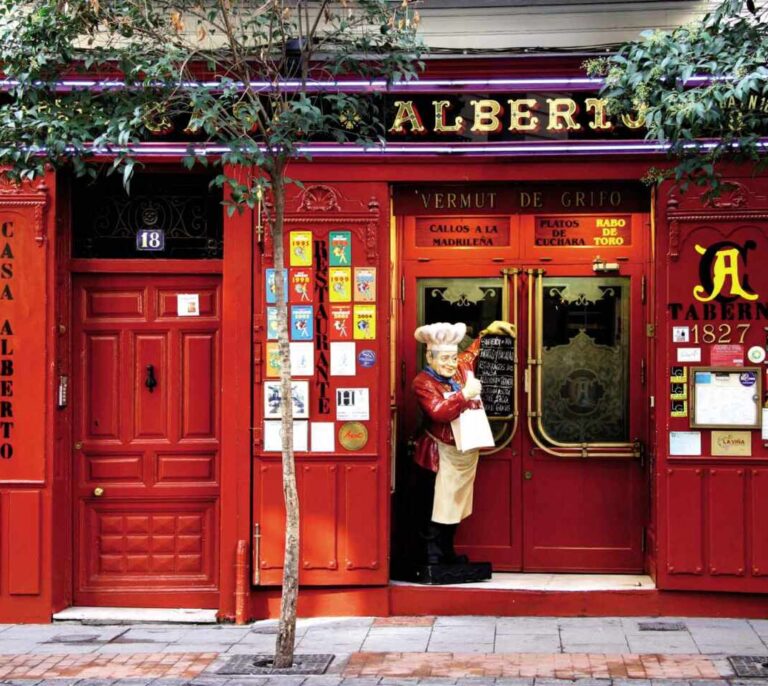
(26, 399)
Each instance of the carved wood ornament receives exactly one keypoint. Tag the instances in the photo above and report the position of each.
(27, 195)
(320, 207)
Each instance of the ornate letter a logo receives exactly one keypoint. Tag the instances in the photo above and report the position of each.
(720, 264)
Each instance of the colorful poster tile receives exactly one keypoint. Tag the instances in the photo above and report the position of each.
(301, 249)
(273, 360)
(302, 318)
(271, 323)
(365, 284)
(301, 281)
(271, 286)
(340, 328)
(365, 322)
(340, 248)
(339, 284)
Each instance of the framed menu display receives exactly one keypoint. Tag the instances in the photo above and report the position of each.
(725, 397)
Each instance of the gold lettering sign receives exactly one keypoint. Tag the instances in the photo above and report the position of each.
(489, 115)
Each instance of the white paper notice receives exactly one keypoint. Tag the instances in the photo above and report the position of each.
(681, 334)
(689, 354)
(273, 440)
(342, 359)
(765, 424)
(685, 442)
(352, 403)
(188, 305)
(302, 359)
(323, 437)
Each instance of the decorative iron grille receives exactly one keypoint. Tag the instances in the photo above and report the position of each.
(106, 219)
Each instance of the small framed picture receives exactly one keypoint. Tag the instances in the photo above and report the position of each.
(299, 395)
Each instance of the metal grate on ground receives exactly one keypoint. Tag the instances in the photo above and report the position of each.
(661, 626)
(755, 666)
(261, 664)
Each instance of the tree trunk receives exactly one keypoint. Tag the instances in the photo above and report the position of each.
(286, 631)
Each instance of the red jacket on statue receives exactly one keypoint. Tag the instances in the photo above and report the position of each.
(440, 411)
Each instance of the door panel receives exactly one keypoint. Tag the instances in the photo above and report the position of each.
(147, 417)
(566, 490)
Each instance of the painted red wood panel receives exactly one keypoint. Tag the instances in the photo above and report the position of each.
(24, 542)
(685, 520)
(102, 415)
(320, 527)
(726, 521)
(151, 409)
(759, 516)
(362, 505)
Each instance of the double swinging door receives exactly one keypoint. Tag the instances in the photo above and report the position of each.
(565, 488)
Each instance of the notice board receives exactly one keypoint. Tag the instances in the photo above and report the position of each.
(495, 367)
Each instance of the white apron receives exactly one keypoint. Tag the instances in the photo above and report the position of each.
(454, 484)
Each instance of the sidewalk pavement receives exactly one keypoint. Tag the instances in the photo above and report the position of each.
(388, 651)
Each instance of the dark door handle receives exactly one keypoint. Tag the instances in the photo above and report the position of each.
(151, 381)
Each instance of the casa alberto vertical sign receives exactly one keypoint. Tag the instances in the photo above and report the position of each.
(24, 333)
(7, 371)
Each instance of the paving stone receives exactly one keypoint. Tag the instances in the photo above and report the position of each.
(322, 680)
(631, 682)
(61, 649)
(247, 681)
(20, 682)
(132, 682)
(476, 681)
(146, 634)
(285, 680)
(464, 620)
(361, 681)
(428, 681)
(138, 648)
(531, 643)
(95, 682)
(527, 625)
(513, 681)
(458, 647)
(664, 643)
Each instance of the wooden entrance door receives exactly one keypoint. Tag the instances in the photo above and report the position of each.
(566, 489)
(146, 429)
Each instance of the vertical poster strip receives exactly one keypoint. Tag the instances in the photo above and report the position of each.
(341, 248)
(364, 322)
(300, 290)
(365, 284)
(340, 284)
(300, 252)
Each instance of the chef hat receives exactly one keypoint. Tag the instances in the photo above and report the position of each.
(441, 336)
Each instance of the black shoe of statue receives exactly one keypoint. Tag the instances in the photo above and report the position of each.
(449, 554)
(434, 544)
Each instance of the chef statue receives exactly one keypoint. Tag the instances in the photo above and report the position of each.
(445, 388)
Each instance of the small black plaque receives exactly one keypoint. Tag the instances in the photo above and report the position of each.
(661, 626)
(755, 666)
(261, 663)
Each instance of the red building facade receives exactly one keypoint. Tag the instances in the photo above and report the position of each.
(139, 463)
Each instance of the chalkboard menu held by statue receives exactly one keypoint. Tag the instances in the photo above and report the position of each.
(495, 367)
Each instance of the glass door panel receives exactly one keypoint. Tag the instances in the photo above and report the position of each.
(585, 360)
